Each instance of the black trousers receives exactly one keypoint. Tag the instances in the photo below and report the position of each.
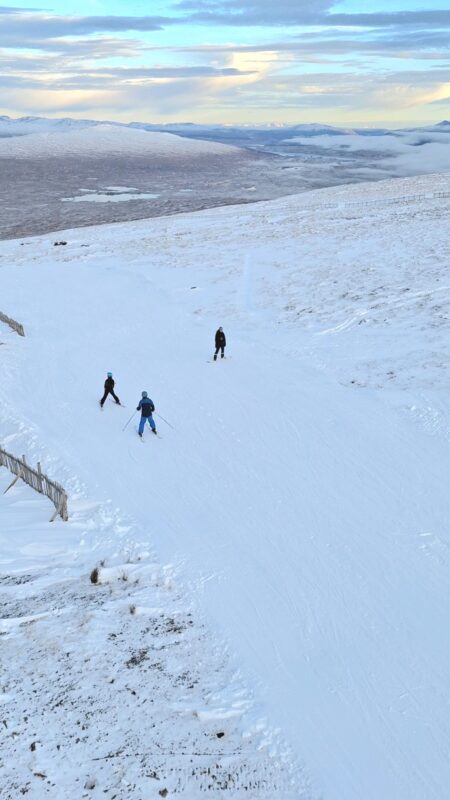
(107, 392)
(222, 348)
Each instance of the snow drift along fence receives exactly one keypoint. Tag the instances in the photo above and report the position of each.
(37, 480)
(16, 326)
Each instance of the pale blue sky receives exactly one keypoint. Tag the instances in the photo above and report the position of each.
(354, 62)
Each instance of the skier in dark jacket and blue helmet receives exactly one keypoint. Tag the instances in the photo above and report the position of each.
(220, 343)
(109, 389)
(146, 407)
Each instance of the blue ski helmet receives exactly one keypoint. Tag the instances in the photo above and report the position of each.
(109, 374)
(144, 394)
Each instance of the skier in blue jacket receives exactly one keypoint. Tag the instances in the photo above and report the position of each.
(146, 407)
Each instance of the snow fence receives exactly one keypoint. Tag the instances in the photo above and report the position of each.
(37, 480)
(16, 326)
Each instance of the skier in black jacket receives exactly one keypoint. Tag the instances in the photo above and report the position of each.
(109, 389)
(221, 343)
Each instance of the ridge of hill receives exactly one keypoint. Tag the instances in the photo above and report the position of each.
(107, 140)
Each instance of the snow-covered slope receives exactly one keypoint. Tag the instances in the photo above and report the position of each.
(301, 495)
(116, 687)
(107, 140)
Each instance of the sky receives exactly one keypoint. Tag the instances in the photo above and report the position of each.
(342, 62)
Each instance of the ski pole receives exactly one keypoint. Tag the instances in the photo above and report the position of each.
(164, 420)
(126, 426)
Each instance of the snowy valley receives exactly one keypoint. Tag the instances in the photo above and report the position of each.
(65, 173)
(255, 604)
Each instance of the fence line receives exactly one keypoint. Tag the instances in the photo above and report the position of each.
(16, 326)
(378, 201)
(405, 198)
(37, 480)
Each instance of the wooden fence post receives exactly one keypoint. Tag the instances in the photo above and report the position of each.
(41, 487)
(58, 510)
(18, 476)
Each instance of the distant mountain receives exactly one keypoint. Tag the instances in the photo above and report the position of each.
(289, 141)
(100, 139)
(440, 127)
(26, 125)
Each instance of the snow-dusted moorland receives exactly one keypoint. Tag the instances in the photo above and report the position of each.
(269, 611)
(108, 140)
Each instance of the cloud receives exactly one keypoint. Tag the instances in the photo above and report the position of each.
(15, 10)
(31, 29)
(328, 96)
(267, 13)
(255, 12)
(431, 18)
(372, 32)
(121, 77)
(343, 93)
(79, 63)
(172, 72)
(68, 81)
(161, 99)
(94, 49)
(311, 48)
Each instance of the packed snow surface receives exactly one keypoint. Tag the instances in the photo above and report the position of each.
(107, 140)
(296, 507)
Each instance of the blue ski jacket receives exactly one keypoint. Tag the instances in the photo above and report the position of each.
(146, 407)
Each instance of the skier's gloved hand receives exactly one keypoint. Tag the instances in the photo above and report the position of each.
(137, 408)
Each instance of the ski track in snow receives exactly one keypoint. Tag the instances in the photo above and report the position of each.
(299, 504)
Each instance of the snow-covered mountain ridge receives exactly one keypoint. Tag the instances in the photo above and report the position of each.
(12, 126)
(106, 140)
(300, 496)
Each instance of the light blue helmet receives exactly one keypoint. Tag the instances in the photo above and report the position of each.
(144, 394)
(109, 374)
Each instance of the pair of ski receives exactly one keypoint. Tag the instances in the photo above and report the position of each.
(156, 435)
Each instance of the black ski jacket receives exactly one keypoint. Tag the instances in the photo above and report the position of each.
(220, 339)
(109, 384)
